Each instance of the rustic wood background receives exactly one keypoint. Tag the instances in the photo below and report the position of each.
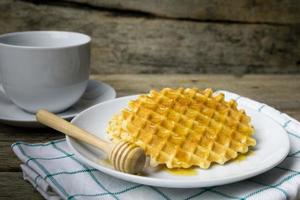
(172, 36)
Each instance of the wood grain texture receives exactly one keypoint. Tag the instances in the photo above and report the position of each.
(13, 187)
(279, 91)
(139, 44)
(263, 11)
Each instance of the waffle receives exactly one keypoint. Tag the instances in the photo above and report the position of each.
(184, 127)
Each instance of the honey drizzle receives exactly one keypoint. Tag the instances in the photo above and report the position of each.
(104, 162)
(243, 157)
(181, 171)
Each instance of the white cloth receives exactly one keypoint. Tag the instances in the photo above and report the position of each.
(57, 174)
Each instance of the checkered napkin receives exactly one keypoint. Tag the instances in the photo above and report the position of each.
(57, 174)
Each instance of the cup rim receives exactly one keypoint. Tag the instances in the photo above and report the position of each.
(87, 39)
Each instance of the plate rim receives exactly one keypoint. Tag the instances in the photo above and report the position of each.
(172, 183)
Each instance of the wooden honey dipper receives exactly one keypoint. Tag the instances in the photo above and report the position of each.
(124, 156)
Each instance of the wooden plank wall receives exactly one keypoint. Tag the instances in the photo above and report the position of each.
(172, 36)
(256, 11)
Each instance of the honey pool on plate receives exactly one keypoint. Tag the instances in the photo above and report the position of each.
(243, 157)
(192, 171)
(182, 172)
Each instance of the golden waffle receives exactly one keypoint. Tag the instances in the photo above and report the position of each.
(184, 127)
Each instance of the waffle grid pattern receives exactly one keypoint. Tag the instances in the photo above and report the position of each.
(184, 127)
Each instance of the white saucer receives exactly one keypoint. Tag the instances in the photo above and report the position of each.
(96, 92)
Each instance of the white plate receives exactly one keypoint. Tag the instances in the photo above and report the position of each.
(272, 147)
(95, 92)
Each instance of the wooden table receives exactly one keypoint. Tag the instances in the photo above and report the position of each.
(280, 91)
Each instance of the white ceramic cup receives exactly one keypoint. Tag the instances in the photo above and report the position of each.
(44, 69)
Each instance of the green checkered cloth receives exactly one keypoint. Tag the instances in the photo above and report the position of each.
(57, 174)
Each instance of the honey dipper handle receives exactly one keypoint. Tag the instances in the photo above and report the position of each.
(51, 120)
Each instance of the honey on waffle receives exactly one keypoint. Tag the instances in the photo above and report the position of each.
(184, 127)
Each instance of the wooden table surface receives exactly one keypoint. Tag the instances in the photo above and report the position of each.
(279, 91)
